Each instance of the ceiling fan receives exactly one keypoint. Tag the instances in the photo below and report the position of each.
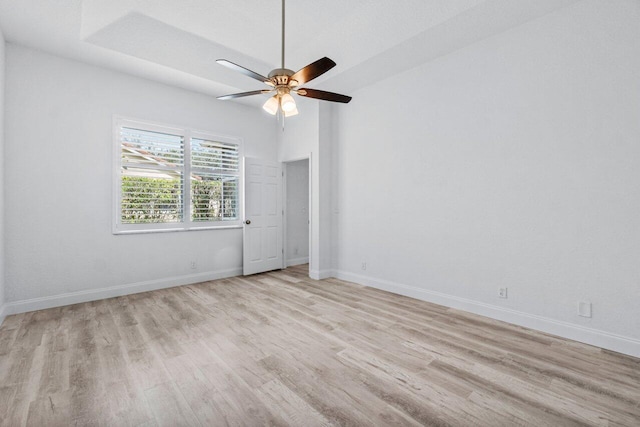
(284, 82)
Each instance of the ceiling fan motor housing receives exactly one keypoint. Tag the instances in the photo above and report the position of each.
(280, 77)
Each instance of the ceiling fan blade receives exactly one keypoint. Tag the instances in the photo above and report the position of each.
(313, 70)
(240, 95)
(245, 71)
(325, 96)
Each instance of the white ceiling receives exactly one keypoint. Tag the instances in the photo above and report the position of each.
(177, 42)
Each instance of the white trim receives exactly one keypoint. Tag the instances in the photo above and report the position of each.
(321, 274)
(3, 313)
(285, 212)
(24, 306)
(173, 230)
(599, 338)
(312, 256)
(297, 261)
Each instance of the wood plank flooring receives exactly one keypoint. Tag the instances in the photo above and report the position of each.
(282, 349)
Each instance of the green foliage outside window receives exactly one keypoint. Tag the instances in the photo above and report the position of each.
(206, 200)
(150, 200)
(157, 200)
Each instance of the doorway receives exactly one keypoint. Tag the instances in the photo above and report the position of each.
(297, 208)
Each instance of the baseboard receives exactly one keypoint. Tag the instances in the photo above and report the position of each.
(3, 313)
(603, 339)
(297, 261)
(321, 274)
(24, 306)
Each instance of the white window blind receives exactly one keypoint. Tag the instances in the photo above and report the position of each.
(151, 193)
(214, 180)
(151, 177)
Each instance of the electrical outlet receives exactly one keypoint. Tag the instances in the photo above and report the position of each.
(502, 293)
(364, 266)
(194, 265)
(584, 308)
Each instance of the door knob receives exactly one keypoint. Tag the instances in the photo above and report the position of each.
(248, 222)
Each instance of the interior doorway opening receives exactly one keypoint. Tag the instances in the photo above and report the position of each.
(297, 208)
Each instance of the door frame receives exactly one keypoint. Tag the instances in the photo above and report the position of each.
(284, 206)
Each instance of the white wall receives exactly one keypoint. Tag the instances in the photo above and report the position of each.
(58, 195)
(2, 108)
(300, 135)
(297, 212)
(510, 163)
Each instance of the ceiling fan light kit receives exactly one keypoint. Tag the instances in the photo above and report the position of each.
(287, 103)
(284, 82)
(272, 105)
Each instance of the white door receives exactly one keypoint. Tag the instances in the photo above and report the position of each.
(262, 216)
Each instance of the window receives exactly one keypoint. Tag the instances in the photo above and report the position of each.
(174, 179)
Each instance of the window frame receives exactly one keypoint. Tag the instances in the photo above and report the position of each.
(187, 134)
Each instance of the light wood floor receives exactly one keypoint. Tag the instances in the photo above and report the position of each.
(282, 349)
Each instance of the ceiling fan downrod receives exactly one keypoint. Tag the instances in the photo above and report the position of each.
(285, 82)
(283, 17)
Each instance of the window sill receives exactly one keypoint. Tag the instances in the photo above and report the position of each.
(174, 230)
